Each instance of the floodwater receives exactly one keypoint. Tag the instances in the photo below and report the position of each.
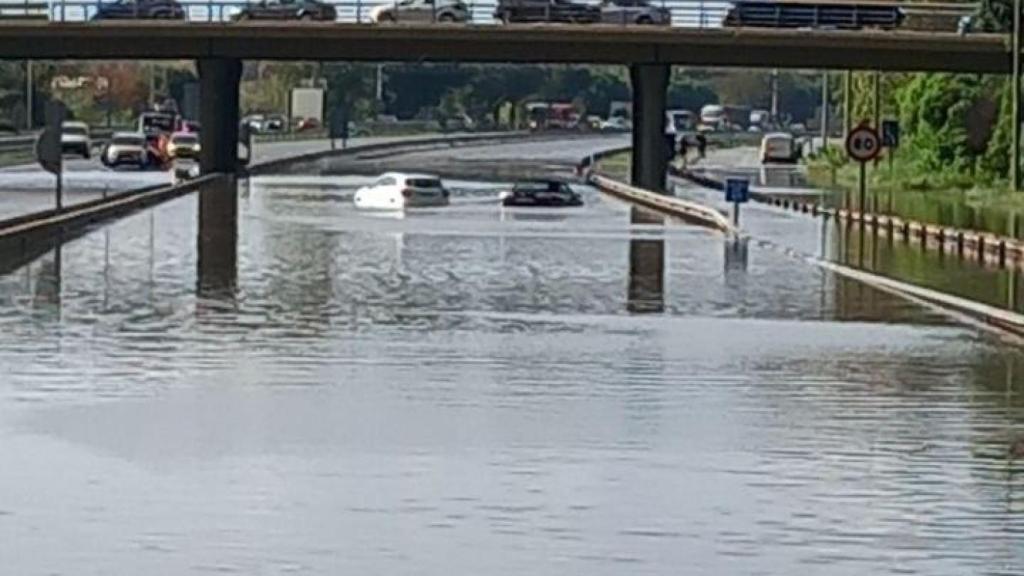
(472, 390)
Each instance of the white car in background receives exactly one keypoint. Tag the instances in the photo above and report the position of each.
(397, 191)
(74, 139)
(780, 147)
(126, 148)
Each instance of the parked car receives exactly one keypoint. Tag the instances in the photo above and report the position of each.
(396, 191)
(140, 10)
(779, 147)
(422, 11)
(509, 11)
(307, 125)
(634, 12)
(125, 148)
(74, 139)
(307, 10)
(540, 193)
(616, 124)
(183, 145)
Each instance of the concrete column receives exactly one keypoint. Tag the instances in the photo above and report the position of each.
(651, 151)
(218, 113)
(217, 242)
(646, 290)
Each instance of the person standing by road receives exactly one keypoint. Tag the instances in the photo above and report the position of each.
(702, 145)
(683, 150)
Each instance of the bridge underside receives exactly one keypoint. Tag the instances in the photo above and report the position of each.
(549, 43)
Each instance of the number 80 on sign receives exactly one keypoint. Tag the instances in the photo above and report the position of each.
(863, 144)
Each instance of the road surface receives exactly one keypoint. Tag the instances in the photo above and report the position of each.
(473, 390)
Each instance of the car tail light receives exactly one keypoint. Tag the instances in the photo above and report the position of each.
(407, 193)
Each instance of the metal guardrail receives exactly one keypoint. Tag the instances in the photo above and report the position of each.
(683, 13)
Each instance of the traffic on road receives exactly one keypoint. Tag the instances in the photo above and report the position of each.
(827, 15)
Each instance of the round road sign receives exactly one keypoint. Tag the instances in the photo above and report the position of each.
(863, 144)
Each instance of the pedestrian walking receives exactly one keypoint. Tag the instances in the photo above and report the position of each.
(683, 149)
(702, 145)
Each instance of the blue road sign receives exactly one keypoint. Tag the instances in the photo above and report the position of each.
(891, 133)
(737, 190)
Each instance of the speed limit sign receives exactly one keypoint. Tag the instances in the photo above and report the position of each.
(863, 143)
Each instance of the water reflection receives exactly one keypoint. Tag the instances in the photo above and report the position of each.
(646, 293)
(217, 241)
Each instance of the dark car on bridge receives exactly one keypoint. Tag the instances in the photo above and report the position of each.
(814, 15)
(140, 10)
(634, 12)
(520, 11)
(307, 10)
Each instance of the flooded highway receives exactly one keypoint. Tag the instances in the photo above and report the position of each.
(482, 390)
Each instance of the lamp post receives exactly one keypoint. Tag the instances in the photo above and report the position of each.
(824, 110)
(1015, 174)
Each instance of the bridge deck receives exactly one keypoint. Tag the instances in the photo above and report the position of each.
(889, 50)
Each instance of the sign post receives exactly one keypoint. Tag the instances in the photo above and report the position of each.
(863, 145)
(737, 191)
(48, 150)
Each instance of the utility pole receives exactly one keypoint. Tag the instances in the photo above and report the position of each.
(824, 110)
(775, 95)
(847, 101)
(1015, 175)
(876, 82)
(29, 94)
(380, 82)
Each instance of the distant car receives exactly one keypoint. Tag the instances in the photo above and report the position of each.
(126, 148)
(511, 11)
(616, 124)
(307, 125)
(187, 126)
(779, 147)
(634, 12)
(396, 191)
(273, 124)
(422, 11)
(74, 139)
(183, 145)
(307, 10)
(540, 193)
(140, 10)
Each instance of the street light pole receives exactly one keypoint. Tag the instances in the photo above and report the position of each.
(29, 94)
(824, 110)
(1015, 175)
(848, 102)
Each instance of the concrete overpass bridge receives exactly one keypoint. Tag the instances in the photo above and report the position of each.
(220, 47)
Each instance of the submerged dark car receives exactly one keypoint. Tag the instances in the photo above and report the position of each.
(541, 193)
(309, 10)
(140, 10)
(546, 11)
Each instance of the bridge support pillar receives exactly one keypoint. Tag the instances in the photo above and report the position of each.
(219, 80)
(651, 150)
(217, 242)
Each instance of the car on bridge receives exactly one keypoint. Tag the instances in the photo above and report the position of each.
(814, 14)
(397, 191)
(421, 11)
(74, 139)
(304, 10)
(641, 12)
(525, 11)
(139, 10)
(550, 193)
(125, 148)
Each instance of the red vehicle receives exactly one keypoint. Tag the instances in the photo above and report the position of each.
(552, 116)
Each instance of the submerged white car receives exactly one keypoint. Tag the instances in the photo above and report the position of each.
(396, 191)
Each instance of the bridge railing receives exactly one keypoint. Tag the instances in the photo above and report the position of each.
(683, 13)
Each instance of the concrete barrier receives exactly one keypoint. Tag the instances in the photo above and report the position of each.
(683, 209)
